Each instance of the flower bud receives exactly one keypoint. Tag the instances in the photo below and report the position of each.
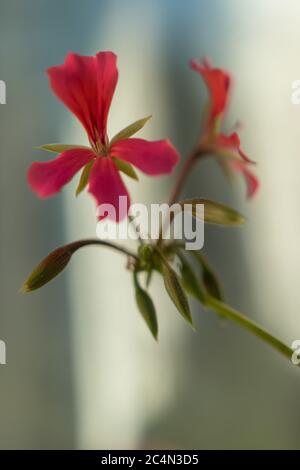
(48, 268)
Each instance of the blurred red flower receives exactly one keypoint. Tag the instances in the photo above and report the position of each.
(218, 83)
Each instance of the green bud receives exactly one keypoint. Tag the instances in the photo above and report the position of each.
(48, 268)
(145, 253)
(214, 212)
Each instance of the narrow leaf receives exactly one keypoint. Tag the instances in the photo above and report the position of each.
(125, 168)
(176, 292)
(209, 277)
(84, 177)
(174, 288)
(129, 130)
(214, 212)
(59, 148)
(190, 281)
(146, 307)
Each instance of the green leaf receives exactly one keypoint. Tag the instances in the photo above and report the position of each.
(190, 281)
(125, 168)
(174, 288)
(84, 177)
(209, 277)
(59, 148)
(214, 212)
(130, 130)
(176, 292)
(146, 307)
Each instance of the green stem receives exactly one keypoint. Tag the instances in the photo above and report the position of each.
(95, 241)
(131, 220)
(228, 312)
(182, 177)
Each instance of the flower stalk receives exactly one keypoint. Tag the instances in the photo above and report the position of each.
(245, 322)
(182, 176)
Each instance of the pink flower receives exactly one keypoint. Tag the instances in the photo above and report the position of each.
(218, 83)
(86, 86)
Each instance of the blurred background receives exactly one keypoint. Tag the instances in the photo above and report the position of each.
(82, 370)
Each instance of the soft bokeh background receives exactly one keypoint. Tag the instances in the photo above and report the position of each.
(83, 371)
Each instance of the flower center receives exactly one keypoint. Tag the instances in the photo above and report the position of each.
(100, 149)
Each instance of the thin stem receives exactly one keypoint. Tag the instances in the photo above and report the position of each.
(95, 241)
(239, 318)
(131, 220)
(200, 152)
(183, 175)
(181, 179)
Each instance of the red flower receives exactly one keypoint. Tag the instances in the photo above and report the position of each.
(86, 86)
(251, 179)
(218, 84)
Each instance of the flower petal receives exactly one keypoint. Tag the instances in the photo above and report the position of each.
(47, 178)
(74, 83)
(85, 84)
(106, 185)
(153, 158)
(232, 142)
(218, 84)
(107, 78)
(251, 179)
